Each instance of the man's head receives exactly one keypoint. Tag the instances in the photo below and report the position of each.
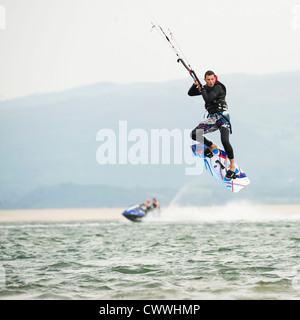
(210, 78)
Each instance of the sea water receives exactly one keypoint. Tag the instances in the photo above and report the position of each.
(183, 253)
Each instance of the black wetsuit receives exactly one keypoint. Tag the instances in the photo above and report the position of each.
(218, 117)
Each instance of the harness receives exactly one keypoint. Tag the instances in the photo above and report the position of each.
(221, 104)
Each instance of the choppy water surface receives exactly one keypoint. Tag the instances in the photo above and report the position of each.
(181, 255)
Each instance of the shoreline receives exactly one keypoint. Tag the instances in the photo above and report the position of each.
(114, 214)
(61, 215)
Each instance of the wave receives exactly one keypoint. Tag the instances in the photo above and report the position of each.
(233, 211)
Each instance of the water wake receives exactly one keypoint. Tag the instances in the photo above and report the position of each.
(234, 211)
(184, 207)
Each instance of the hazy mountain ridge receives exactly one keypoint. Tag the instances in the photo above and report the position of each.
(50, 139)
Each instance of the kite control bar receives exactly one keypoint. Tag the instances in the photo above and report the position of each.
(176, 51)
(192, 72)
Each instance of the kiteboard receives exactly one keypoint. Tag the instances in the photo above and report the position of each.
(218, 166)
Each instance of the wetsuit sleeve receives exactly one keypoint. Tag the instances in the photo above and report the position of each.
(194, 91)
(209, 97)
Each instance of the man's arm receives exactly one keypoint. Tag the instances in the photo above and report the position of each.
(194, 90)
(209, 97)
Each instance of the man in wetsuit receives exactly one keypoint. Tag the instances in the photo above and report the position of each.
(214, 93)
(155, 204)
(148, 205)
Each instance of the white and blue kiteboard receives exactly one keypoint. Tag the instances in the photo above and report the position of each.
(218, 166)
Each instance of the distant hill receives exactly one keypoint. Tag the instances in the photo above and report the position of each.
(48, 142)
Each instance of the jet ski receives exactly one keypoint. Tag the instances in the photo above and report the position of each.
(135, 212)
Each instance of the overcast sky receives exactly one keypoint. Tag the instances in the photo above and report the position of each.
(52, 45)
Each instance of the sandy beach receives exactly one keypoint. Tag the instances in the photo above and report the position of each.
(43, 215)
(110, 214)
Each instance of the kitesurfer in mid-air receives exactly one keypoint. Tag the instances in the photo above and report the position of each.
(214, 93)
